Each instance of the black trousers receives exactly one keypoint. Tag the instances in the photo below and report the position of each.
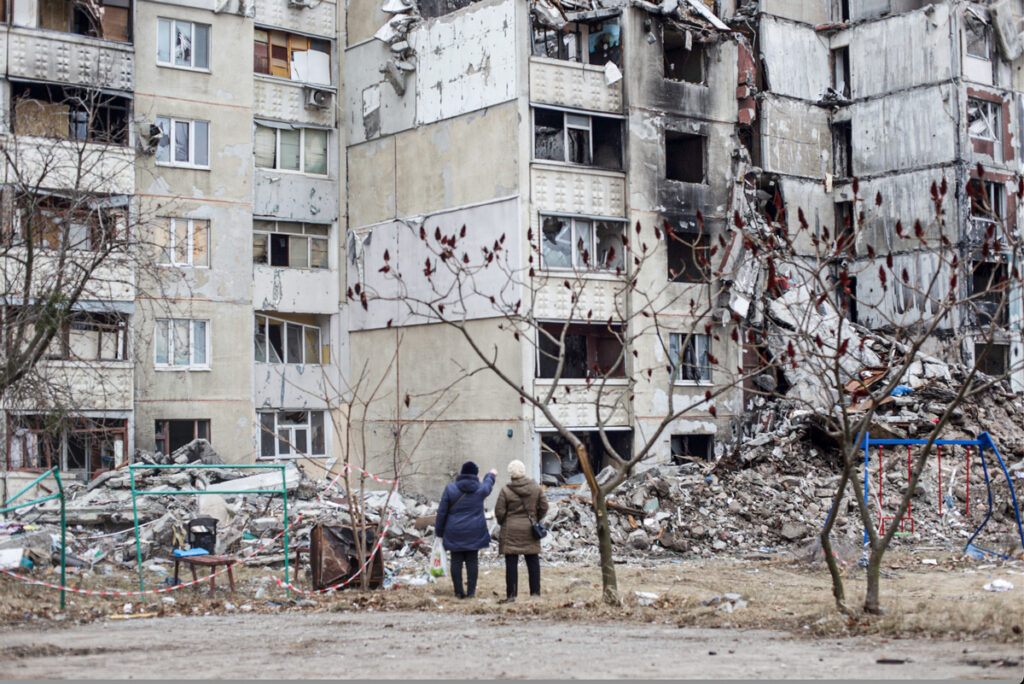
(469, 558)
(512, 573)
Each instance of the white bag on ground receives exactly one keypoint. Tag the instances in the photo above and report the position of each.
(438, 559)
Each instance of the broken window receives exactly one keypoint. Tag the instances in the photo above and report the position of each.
(290, 244)
(688, 448)
(61, 223)
(181, 344)
(292, 434)
(983, 119)
(987, 209)
(841, 71)
(841, 10)
(595, 42)
(183, 44)
(171, 435)
(278, 340)
(995, 361)
(591, 350)
(90, 336)
(79, 445)
(285, 147)
(685, 157)
(844, 228)
(684, 57)
(559, 463)
(688, 257)
(581, 243)
(976, 37)
(557, 44)
(183, 142)
(54, 111)
(182, 242)
(842, 149)
(847, 298)
(688, 356)
(988, 291)
(577, 138)
(109, 19)
(289, 55)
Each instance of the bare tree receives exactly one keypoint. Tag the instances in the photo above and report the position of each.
(468, 276)
(940, 293)
(71, 242)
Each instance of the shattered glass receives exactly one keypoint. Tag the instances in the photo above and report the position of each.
(556, 243)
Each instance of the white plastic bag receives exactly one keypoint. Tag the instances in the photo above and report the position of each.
(438, 559)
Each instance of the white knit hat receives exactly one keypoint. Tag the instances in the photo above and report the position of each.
(516, 469)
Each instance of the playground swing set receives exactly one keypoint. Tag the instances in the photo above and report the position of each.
(980, 446)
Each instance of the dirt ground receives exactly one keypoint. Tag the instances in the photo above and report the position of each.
(939, 623)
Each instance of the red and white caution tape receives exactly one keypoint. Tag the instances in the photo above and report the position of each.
(164, 590)
(349, 466)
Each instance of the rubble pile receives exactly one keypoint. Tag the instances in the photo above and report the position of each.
(771, 492)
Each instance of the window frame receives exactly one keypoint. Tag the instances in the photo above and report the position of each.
(171, 134)
(697, 49)
(285, 323)
(592, 248)
(191, 365)
(681, 369)
(566, 126)
(162, 436)
(172, 25)
(288, 446)
(991, 113)
(596, 337)
(302, 149)
(170, 222)
(304, 232)
(95, 323)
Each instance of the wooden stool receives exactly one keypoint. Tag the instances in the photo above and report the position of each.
(207, 561)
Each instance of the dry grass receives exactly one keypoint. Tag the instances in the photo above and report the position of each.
(919, 600)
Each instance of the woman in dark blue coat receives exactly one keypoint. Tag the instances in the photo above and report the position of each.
(461, 524)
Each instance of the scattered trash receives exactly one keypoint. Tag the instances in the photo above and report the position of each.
(998, 585)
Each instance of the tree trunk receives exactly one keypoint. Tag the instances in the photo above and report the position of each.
(604, 544)
(874, 581)
(604, 533)
(826, 543)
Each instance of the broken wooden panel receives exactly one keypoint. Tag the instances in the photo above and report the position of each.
(334, 557)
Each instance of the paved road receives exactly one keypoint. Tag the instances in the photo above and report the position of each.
(441, 645)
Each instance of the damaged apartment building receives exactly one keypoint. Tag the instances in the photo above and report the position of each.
(567, 122)
(215, 125)
(266, 187)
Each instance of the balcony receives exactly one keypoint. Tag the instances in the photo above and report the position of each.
(279, 98)
(299, 290)
(316, 18)
(57, 57)
(577, 408)
(577, 190)
(602, 295)
(94, 168)
(572, 84)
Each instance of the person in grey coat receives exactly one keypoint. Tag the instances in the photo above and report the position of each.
(520, 500)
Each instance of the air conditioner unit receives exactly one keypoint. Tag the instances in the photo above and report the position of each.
(149, 137)
(318, 99)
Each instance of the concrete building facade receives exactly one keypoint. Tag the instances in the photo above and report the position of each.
(267, 184)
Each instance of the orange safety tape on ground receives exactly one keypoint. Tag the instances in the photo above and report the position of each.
(164, 590)
(349, 466)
